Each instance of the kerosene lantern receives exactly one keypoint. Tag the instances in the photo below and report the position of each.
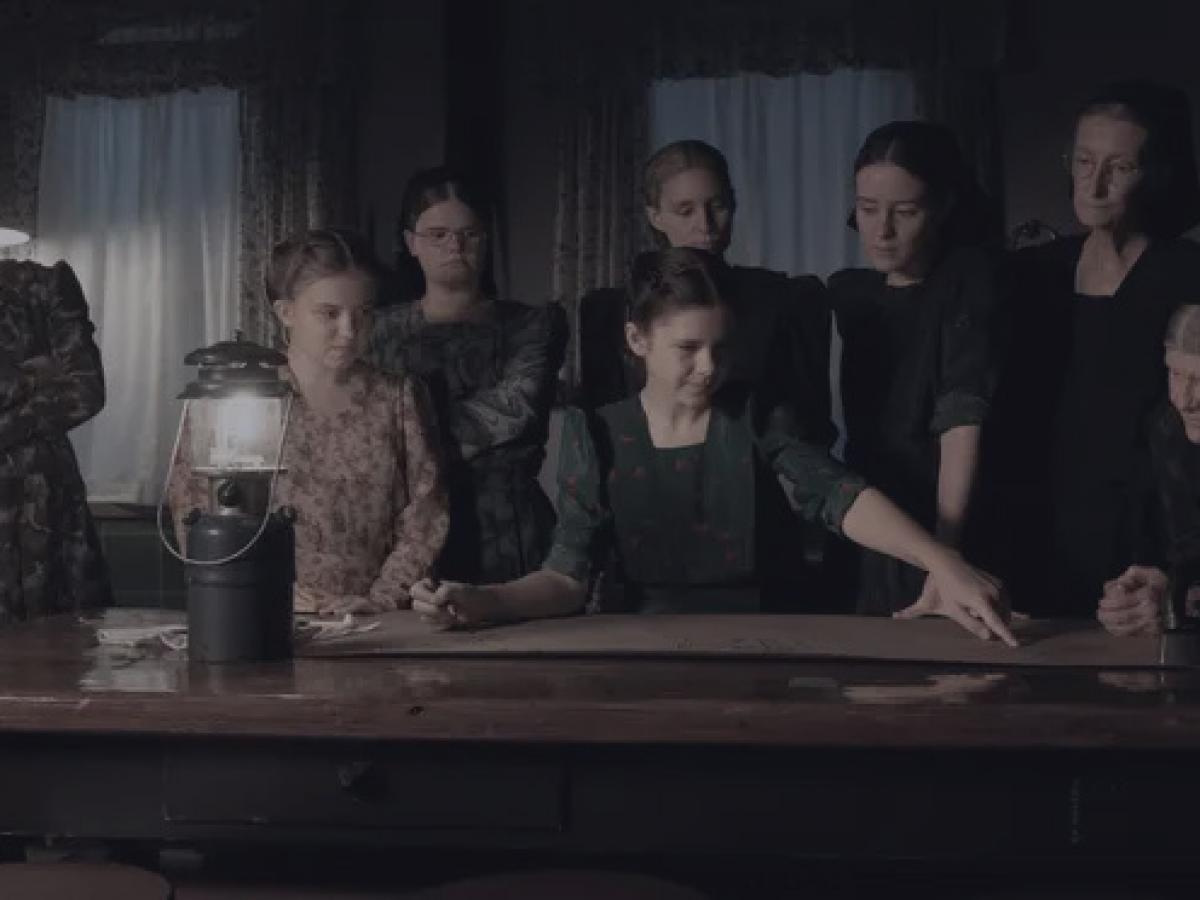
(239, 557)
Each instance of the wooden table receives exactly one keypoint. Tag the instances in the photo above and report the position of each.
(697, 753)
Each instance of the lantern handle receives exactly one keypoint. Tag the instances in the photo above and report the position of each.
(262, 527)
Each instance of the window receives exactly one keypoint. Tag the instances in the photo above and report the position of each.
(140, 196)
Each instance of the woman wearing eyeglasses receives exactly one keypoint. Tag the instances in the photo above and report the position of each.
(491, 367)
(1084, 369)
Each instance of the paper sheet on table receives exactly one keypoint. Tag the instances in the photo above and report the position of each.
(164, 628)
(1044, 642)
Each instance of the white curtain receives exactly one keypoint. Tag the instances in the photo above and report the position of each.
(140, 196)
(791, 144)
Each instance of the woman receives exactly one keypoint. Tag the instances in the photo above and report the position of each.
(492, 367)
(1133, 603)
(783, 330)
(360, 466)
(669, 481)
(1084, 374)
(917, 368)
(51, 380)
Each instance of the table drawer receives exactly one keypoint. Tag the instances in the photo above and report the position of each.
(366, 787)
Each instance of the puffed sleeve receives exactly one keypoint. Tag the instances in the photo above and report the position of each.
(420, 508)
(967, 363)
(821, 489)
(583, 535)
(71, 390)
(522, 398)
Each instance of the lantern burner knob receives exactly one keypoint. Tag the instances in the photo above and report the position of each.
(229, 494)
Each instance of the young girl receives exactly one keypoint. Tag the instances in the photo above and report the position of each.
(669, 481)
(917, 371)
(360, 468)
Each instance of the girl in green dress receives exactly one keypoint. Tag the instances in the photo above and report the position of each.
(670, 486)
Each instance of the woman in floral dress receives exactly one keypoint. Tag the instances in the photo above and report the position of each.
(361, 468)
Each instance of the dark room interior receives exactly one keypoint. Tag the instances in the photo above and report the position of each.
(579, 554)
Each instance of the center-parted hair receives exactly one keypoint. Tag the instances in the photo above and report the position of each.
(430, 187)
(930, 153)
(426, 189)
(672, 279)
(321, 253)
(680, 156)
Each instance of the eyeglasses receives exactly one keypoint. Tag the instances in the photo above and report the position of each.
(1083, 167)
(446, 237)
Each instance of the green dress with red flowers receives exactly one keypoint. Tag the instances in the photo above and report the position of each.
(703, 528)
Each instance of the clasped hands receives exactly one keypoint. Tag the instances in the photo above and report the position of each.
(1134, 603)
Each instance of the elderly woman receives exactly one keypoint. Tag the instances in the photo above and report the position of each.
(51, 380)
(361, 470)
(1133, 602)
(1084, 372)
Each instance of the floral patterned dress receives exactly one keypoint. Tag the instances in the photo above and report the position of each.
(364, 482)
(492, 382)
(704, 528)
(50, 557)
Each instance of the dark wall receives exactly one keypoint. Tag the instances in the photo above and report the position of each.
(530, 164)
(404, 114)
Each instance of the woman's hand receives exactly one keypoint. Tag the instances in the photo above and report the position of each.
(452, 604)
(971, 597)
(1133, 602)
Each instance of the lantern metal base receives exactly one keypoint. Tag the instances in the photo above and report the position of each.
(240, 611)
(1180, 647)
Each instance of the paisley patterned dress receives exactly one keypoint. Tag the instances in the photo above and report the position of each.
(50, 557)
(364, 482)
(492, 382)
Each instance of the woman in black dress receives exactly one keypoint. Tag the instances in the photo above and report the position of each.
(917, 360)
(1084, 374)
(491, 366)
